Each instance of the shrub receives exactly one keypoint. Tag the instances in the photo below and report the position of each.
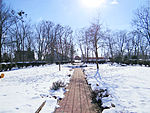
(97, 96)
(57, 85)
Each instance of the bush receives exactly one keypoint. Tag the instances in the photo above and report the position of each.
(57, 85)
(9, 66)
(97, 96)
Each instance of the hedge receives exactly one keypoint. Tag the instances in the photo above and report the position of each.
(9, 66)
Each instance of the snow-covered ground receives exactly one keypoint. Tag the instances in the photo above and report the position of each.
(128, 86)
(24, 90)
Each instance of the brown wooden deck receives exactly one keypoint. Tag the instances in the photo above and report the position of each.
(77, 99)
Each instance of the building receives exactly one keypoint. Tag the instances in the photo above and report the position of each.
(93, 60)
(56, 57)
(24, 56)
(77, 58)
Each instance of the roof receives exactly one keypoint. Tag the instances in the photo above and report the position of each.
(95, 58)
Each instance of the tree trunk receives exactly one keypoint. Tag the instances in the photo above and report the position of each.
(52, 54)
(149, 37)
(82, 53)
(59, 66)
(96, 53)
(87, 54)
(96, 50)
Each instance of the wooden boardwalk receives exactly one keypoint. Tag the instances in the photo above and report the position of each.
(77, 99)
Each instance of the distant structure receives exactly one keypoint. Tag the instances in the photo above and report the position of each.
(56, 57)
(93, 60)
(24, 56)
(77, 58)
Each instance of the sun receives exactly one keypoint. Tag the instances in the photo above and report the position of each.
(92, 3)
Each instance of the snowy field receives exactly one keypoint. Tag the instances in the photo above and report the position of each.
(128, 86)
(24, 90)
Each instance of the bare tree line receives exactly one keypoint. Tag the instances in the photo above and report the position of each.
(118, 45)
(51, 40)
(48, 40)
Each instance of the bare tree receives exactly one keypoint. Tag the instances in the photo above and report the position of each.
(39, 41)
(110, 43)
(140, 45)
(84, 43)
(80, 36)
(130, 43)
(72, 51)
(21, 31)
(142, 22)
(6, 21)
(30, 41)
(68, 43)
(63, 37)
(44, 38)
(96, 37)
(121, 43)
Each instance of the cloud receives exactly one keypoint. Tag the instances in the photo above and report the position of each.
(114, 2)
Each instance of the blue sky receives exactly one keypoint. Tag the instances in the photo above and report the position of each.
(116, 14)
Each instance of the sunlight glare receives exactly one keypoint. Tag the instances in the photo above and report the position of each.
(92, 3)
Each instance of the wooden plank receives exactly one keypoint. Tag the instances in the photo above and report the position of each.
(39, 109)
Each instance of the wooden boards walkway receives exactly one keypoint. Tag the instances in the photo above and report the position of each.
(77, 99)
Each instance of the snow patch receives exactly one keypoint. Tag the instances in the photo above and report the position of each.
(24, 90)
(128, 86)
